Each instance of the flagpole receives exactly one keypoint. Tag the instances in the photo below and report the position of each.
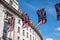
(38, 24)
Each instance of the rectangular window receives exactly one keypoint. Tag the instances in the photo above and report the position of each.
(23, 32)
(32, 31)
(33, 38)
(5, 29)
(19, 21)
(5, 26)
(27, 34)
(18, 29)
(30, 37)
(18, 38)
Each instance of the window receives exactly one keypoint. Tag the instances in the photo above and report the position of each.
(23, 32)
(23, 39)
(6, 26)
(33, 31)
(5, 29)
(30, 37)
(18, 29)
(33, 38)
(27, 34)
(18, 38)
(19, 21)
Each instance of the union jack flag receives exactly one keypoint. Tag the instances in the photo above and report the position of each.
(25, 20)
(57, 6)
(41, 16)
(11, 22)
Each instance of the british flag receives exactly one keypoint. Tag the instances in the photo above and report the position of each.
(25, 20)
(41, 16)
(11, 22)
(57, 6)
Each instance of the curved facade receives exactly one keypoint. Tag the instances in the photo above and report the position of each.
(19, 33)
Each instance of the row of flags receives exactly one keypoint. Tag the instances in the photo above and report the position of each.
(42, 14)
(41, 17)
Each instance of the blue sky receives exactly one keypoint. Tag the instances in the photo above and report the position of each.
(51, 29)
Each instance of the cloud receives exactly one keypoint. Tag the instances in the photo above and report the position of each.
(57, 34)
(49, 38)
(58, 28)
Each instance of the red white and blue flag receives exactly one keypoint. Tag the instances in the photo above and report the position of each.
(25, 20)
(41, 16)
(57, 6)
(11, 22)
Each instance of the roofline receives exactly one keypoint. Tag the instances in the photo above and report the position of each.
(20, 15)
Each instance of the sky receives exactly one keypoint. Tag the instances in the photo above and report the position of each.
(51, 29)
